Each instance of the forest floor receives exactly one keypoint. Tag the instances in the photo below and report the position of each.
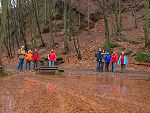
(77, 90)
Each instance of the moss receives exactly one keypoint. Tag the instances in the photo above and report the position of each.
(143, 56)
(5, 73)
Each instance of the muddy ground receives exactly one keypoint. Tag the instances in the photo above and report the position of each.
(75, 91)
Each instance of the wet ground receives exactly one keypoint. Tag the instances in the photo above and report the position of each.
(75, 92)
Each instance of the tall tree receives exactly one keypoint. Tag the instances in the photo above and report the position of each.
(3, 28)
(51, 22)
(79, 13)
(66, 48)
(134, 13)
(37, 22)
(106, 27)
(116, 17)
(120, 15)
(146, 24)
(88, 14)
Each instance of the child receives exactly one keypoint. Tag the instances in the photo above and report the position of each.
(35, 58)
(28, 59)
(107, 61)
(51, 58)
(123, 61)
(114, 59)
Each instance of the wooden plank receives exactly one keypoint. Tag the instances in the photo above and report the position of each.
(48, 67)
(142, 64)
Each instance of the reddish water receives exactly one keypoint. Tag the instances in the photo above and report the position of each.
(74, 94)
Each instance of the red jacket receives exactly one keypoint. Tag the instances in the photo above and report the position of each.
(114, 57)
(35, 56)
(52, 56)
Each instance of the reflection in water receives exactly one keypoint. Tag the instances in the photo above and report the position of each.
(7, 103)
(114, 85)
(33, 85)
(50, 88)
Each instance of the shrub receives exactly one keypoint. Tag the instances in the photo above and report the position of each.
(143, 56)
(5, 73)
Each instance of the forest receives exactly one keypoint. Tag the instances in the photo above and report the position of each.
(28, 22)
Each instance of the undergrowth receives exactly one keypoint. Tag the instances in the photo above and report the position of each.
(109, 46)
(143, 56)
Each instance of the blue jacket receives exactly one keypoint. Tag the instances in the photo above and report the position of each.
(107, 58)
(125, 60)
(98, 56)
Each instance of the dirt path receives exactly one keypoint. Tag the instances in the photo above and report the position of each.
(81, 71)
(76, 91)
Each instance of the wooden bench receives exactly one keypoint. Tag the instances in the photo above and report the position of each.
(49, 70)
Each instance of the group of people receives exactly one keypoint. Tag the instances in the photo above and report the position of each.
(33, 56)
(104, 58)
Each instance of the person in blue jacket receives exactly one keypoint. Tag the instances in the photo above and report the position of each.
(107, 59)
(123, 61)
(98, 57)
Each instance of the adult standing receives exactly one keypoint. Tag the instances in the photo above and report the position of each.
(107, 61)
(103, 60)
(35, 58)
(123, 61)
(98, 56)
(51, 58)
(21, 56)
(29, 58)
(114, 59)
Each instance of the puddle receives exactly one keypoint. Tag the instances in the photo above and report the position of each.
(33, 85)
(8, 104)
(114, 86)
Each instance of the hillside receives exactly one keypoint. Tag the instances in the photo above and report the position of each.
(131, 39)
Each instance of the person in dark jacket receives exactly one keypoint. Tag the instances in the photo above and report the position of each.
(98, 56)
(107, 59)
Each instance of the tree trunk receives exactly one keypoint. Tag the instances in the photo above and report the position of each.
(88, 15)
(66, 48)
(3, 28)
(37, 23)
(134, 13)
(51, 23)
(146, 24)
(120, 16)
(116, 17)
(106, 27)
(79, 13)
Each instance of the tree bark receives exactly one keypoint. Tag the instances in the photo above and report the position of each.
(66, 48)
(3, 28)
(146, 24)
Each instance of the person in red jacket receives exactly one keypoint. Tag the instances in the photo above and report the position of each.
(114, 59)
(51, 58)
(35, 58)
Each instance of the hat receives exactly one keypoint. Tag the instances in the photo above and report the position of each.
(29, 51)
(22, 47)
(100, 49)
